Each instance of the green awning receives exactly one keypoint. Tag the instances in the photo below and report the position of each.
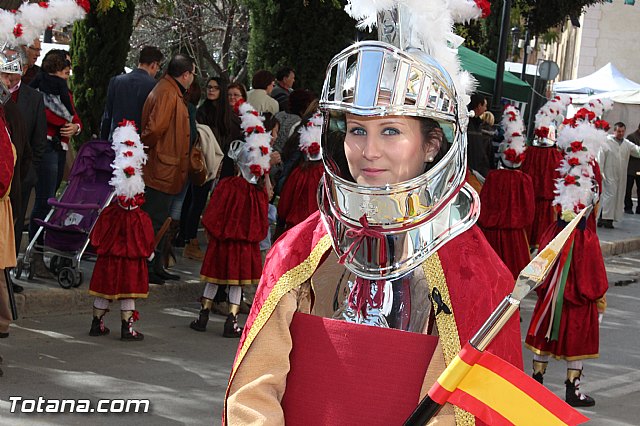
(484, 70)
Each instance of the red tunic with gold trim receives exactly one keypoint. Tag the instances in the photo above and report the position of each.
(506, 210)
(124, 240)
(578, 336)
(470, 275)
(541, 164)
(299, 195)
(236, 221)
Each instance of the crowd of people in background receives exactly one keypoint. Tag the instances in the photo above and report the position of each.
(173, 112)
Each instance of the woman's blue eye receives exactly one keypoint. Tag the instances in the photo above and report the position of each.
(358, 131)
(390, 131)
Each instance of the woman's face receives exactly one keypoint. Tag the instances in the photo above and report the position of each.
(386, 150)
(234, 95)
(213, 90)
(64, 74)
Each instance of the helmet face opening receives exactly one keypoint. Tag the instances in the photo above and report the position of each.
(412, 217)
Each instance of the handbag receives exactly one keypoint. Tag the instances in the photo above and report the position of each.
(197, 167)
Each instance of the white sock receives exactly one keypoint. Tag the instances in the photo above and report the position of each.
(210, 291)
(235, 294)
(127, 304)
(100, 303)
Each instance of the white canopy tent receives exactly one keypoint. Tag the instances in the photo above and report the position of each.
(626, 107)
(606, 79)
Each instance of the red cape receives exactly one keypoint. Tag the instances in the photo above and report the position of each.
(542, 164)
(237, 211)
(477, 280)
(299, 196)
(587, 282)
(506, 210)
(124, 240)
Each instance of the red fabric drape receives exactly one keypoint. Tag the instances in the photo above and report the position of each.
(587, 282)
(299, 195)
(237, 211)
(507, 205)
(6, 157)
(236, 220)
(124, 240)
(541, 165)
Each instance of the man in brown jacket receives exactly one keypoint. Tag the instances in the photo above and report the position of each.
(165, 132)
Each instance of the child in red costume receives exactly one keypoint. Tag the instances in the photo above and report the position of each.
(541, 164)
(236, 221)
(565, 321)
(123, 238)
(299, 196)
(507, 198)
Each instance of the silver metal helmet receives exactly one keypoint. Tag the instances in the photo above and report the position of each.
(387, 231)
(10, 63)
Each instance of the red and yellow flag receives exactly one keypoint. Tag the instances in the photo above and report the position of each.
(500, 394)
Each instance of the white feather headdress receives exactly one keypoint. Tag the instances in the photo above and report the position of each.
(512, 150)
(127, 165)
(310, 135)
(254, 154)
(29, 21)
(430, 29)
(581, 138)
(551, 114)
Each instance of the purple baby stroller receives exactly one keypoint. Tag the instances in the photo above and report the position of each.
(71, 218)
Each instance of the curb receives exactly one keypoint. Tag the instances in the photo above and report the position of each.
(58, 301)
(613, 248)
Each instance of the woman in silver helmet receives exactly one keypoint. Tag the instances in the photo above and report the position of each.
(407, 257)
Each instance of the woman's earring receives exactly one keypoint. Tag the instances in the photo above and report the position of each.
(430, 160)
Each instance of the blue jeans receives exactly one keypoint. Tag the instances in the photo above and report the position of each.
(50, 171)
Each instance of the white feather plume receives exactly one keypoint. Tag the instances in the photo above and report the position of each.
(551, 114)
(430, 27)
(514, 137)
(129, 159)
(310, 135)
(33, 19)
(580, 140)
(257, 140)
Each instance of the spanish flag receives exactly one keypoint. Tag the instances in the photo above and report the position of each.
(500, 394)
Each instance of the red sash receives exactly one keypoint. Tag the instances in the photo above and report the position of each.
(349, 374)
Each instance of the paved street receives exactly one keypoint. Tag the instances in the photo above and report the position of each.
(184, 373)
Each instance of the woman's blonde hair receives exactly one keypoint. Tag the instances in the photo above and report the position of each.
(488, 118)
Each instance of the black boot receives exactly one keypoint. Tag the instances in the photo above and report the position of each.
(231, 327)
(168, 256)
(573, 396)
(203, 318)
(127, 332)
(97, 324)
(539, 368)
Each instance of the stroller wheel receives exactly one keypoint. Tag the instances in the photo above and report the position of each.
(17, 271)
(66, 277)
(78, 280)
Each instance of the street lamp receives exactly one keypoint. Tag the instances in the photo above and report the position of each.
(515, 36)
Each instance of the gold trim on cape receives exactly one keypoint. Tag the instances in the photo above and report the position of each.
(447, 328)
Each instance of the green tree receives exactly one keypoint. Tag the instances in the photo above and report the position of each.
(99, 48)
(304, 35)
(542, 15)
